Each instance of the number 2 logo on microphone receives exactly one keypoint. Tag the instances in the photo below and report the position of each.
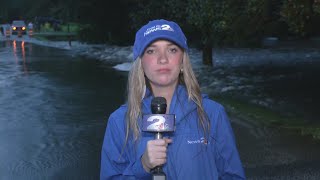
(159, 123)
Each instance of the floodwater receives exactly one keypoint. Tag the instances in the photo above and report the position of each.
(53, 112)
(54, 107)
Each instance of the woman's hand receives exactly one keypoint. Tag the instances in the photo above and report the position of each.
(155, 153)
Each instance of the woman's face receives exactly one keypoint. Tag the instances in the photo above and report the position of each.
(161, 62)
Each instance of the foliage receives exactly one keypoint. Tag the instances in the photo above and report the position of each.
(108, 20)
(262, 18)
(146, 10)
(298, 15)
(90, 34)
(238, 21)
(209, 17)
(316, 6)
(71, 27)
(220, 22)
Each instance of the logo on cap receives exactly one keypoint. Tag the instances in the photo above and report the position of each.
(164, 27)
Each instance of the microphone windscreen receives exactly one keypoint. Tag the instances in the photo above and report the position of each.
(159, 105)
(158, 101)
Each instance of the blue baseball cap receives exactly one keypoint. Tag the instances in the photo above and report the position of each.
(158, 29)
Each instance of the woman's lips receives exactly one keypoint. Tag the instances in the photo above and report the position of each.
(163, 70)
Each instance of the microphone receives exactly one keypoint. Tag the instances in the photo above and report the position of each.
(158, 122)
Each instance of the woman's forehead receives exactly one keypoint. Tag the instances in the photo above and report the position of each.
(162, 42)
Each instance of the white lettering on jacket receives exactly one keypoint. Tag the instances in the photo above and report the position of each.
(198, 141)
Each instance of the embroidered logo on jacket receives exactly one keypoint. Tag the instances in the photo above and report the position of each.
(198, 141)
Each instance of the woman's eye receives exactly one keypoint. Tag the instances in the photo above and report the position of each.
(173, 50)
(149, 51)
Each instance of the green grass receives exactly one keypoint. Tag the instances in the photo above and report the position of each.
(47, 32)
(73, 28)
(54, 36)
(267, 117)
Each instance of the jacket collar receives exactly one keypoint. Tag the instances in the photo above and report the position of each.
(180, 105)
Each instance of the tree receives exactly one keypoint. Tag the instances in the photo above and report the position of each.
(105, 21)
(146, 10)
(209, 17)
(298, 14)
(260, 16)
(4, 12)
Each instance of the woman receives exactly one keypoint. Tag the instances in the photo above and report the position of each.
(202, 146)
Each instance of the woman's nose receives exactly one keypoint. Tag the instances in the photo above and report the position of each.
(163, 58)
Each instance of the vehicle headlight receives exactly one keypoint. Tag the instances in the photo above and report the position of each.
(14, 28)
(23, 28)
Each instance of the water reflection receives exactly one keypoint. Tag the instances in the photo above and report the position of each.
(8, 43)
(14, 46)
(16, 53)
(52, 121)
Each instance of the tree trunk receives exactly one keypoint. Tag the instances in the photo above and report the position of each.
(310, 4)
(268, 7)
(207, 54)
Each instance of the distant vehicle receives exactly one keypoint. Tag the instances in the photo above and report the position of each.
(18, 27)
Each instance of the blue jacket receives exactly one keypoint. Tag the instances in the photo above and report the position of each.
(189, 156)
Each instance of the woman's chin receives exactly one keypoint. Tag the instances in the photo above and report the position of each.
(165, 83)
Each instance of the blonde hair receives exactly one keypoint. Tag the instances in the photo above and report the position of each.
(136, 90)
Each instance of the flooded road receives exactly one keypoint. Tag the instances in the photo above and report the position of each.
(53, 112)
(54, 106)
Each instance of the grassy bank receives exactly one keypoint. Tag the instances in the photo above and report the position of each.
(65, 33)
(55, 36)
(267, 117)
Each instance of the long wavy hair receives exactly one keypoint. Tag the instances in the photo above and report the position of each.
(136, 86)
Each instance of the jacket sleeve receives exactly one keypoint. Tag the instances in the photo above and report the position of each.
(117, 163)
(227, 157)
